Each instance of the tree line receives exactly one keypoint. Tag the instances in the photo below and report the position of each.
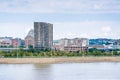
(31, 53)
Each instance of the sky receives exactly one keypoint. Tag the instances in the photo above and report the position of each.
(70, 18)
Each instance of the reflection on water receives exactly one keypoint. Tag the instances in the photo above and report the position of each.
(42, 72)
(65, 71)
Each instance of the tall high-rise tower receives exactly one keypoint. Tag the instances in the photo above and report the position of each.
(43, 35)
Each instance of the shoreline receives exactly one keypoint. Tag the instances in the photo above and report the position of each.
(58, 60)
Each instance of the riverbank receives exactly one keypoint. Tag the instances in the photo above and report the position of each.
(58, 60)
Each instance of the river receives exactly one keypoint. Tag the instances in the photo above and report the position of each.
(63, 71)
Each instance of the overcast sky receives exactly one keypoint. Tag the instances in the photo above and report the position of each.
(71, 18)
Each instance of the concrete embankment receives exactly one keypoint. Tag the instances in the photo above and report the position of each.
(58, 60)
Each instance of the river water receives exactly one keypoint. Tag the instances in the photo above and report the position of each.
(64, 71)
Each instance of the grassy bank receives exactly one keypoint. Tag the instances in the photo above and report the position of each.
(58, 60)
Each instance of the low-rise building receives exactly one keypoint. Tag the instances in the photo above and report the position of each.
(104, 43)
(5, 41)
(17, 42)
(76, 44)
(75, 48)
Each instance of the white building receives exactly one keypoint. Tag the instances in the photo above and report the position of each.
(76, 44)
(5, 41)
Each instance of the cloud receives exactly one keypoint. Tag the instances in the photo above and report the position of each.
(14, 29)
(71, 35)
(60, 6)
(98, 6)
(88, 29)
(84, 35)
(106, 29)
